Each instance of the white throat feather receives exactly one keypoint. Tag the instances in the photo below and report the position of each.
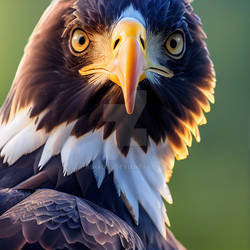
(139, 178)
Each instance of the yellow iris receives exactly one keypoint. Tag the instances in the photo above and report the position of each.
(175, 44)
(79, 41)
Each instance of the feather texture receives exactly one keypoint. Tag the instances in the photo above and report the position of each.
(80, 152)
(139, 177)
(56, 119)
(9, 130)
(21, 144)
(55, 142)
(56, 220)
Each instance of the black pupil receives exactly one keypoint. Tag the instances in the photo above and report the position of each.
(173, 44)
(82, 40)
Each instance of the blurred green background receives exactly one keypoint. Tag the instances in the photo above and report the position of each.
(210, 188)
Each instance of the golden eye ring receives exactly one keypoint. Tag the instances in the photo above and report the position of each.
(176, 44)
(79, 41)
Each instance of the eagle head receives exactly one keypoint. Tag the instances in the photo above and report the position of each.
(86, 57)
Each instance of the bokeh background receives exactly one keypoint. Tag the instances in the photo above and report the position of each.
(210, 188)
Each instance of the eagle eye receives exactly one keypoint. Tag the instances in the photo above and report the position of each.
(175, 44)
(79, 41)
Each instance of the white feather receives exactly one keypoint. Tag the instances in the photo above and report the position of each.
(55, 142)
(148, 197)
(139, 177)
(99, 171)
(136, 185)
(122, 180)
(2, 127)
(131, 12)
(9, 130)
(116, 163)
(25, 142)
(152, 172)
(167, 160)
(79, 152)
(111, 154)
(151, 168)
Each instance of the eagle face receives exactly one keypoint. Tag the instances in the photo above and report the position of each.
(101, 52)
(133, 72)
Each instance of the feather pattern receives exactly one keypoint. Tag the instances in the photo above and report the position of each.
(99, 170)
(70, 97)
(138, 177)
(9, 130)
(19, 145)
(65, 114)
(55, 142)
(80, 152)
(20, 137)
(57, 220)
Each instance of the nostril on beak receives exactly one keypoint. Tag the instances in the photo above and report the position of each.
(116, 43)
(142, 42)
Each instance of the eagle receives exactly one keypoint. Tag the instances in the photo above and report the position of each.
(107, 95)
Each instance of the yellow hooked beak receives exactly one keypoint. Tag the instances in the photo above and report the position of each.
(128, 61)
(129, 41)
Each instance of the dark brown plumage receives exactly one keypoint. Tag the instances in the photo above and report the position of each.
(73, 142)
(56, 85)
(58, 220)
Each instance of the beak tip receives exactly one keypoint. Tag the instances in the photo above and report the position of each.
(129, 110)
(129, 100)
